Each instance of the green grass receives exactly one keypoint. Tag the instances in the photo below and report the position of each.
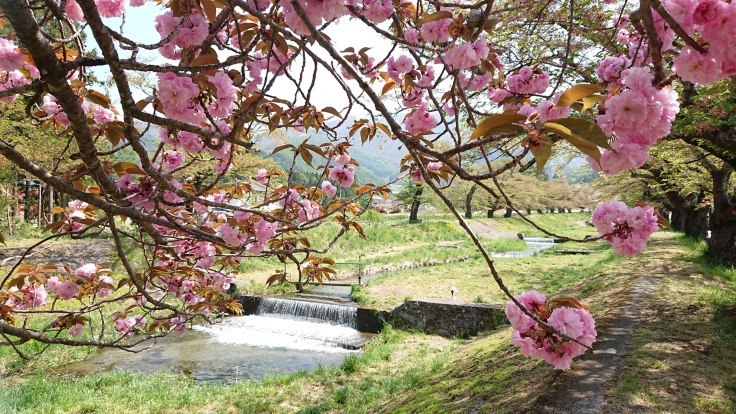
(565, 224)
(391, 243)
(697, 253)
(687, 343)
(545, 272)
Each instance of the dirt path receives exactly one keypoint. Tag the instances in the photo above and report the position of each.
(582, 389)
(73, 254)
(489, 229)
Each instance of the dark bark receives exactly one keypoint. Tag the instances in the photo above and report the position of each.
(469, 201)
(416, 201)
(540, 211)
(508, 212)
(489, 213)
(722, 241)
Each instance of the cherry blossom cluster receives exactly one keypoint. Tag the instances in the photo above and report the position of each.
(636, 118)
(627, 229)
(537, 342)
(715, 23)
(91, 279)
(12, 64)
(106, 8)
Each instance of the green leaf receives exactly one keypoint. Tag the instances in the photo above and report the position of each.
(542, 153)
(576, 93)
(591, 100)
(584, 146)
(491, 123)
(435, 16)
(586, 130)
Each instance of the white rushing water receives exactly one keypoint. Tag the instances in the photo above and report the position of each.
(282, 331)
(324, 312)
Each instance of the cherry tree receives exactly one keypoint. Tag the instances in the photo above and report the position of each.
(217, 72)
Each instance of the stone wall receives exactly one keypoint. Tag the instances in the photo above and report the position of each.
(448, 318)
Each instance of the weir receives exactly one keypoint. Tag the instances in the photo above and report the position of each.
(325, 312)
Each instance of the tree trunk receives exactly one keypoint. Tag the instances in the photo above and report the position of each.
(722, 241)
(508, 213)
(415, 202)
(540, 211)
(696, 224)
(489, 213)
(469, 202)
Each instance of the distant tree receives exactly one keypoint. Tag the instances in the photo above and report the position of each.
(412, 196)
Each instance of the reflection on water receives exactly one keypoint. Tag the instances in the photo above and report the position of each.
(241, 347)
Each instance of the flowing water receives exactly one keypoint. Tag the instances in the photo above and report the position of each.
(244, 347)
(534, 244)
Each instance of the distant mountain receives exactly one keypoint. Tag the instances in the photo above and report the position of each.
(379, 158)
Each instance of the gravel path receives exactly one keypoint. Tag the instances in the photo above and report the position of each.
(73, 254)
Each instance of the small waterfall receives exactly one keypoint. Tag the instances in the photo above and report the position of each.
(538, 240)
(337, 314)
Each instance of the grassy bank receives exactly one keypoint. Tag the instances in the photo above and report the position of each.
(392, 243)
(682, 359)
(546, 272)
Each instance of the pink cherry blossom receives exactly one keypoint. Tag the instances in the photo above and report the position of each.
(412, 35)
(628, 230)
(498, 95)
(52, 108)
(706, 12)
(342, 159)
(75, 330)
(466, 55)
(172, 159)
(73, 11)
(567, 321)
(434, 166)
(10, 56)
(232, 236)
(329, 189)
(265, 230)
(693, 66)
(547, 111)
(436, 31)
(225, 92)
(64, 290)
(397, 67)
(536, 341)
(87, 270)
(610, 68)
(527, 81)
(105, 291)
(255, 248)
(377, 11)
(343, 176)
(308, 210)
(178, 96)
(102, 115)
(420, 121)
(178, 323)
(12, 79)
(111, 8)
(262, 176)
